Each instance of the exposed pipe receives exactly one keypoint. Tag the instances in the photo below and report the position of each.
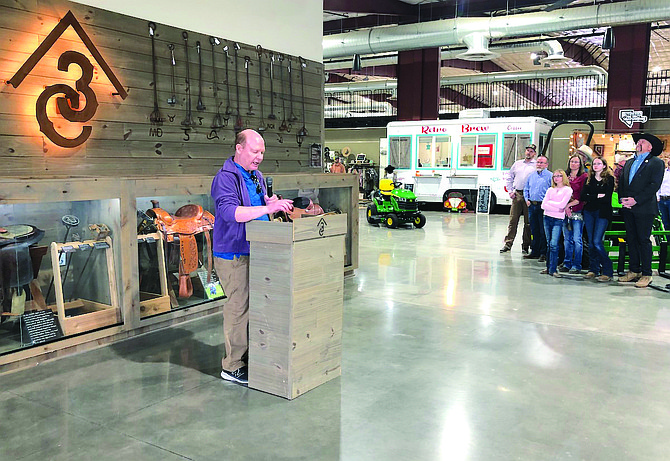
(551, 47)
(448, 32)
(390, 84)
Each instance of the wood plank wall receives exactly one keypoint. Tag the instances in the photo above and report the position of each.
(123, 141)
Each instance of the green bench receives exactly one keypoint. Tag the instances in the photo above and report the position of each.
(615, 245)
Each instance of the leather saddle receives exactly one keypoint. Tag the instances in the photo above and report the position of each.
(184, 225)
(17, 267)
(303, 206)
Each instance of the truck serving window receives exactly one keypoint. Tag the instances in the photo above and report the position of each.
(478, 151)
(434, 152)
(514, 148)
(400, 151)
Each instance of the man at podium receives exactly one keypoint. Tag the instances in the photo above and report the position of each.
(240, 195)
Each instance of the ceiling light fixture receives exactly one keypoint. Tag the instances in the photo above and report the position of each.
(356, 66)
(608, 40)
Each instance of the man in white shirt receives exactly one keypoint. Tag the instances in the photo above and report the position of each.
(518, 176)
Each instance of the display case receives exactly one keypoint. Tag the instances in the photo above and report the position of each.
(79, 269)
(58, 258)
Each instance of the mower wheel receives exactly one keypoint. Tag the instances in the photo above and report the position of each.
(371, 213)
(391, 221)
(419, 221)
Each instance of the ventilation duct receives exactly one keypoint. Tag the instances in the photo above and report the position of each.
(478, 48)
(390, 84)
(450, 32)
(553, 49)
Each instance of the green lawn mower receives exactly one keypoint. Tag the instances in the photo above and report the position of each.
(392, 206)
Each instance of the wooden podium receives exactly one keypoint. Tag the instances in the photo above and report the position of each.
(295, 303)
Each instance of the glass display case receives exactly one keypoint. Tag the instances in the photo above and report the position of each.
(175, 257)
(58, 265)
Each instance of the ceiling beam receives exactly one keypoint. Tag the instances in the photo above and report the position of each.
(461, 99)
(390, 7)
(584, 55)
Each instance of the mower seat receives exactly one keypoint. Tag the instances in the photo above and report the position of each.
(386, 186)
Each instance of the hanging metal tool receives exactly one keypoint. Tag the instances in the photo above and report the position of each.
(200, 106)
(239, 123)
(291, 118)
(247, 63)
(229, 109)
(172, 100)
(259, 50)
(272, 115)
(283, 126)
(218, 121)
(188, 120)
(302, 132)
(155, 117)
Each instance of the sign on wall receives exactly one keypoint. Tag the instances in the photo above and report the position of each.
(92, 92)
(68, 106)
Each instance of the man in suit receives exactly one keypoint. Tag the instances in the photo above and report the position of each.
(641, 178)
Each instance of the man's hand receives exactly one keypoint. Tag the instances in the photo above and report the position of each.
(527, 202)
(276, 204)
(628, 202)
(512, 195)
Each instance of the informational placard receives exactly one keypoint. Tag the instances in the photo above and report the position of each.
(213, 289)
(39, 327)
(483, 199)
(315, 159)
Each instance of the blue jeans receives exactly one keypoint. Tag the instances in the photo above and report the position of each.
(573, 244)
(595, 228)
(664, 206)
(552, 229)
(538, 244)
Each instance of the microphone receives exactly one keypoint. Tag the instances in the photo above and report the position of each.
(268, 184)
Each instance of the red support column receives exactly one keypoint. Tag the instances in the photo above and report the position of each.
(627, 80)
(419, 84)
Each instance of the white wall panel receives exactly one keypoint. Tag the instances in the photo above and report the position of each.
(294, 27)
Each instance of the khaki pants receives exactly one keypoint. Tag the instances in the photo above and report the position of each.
(519, 207)
(234, 277)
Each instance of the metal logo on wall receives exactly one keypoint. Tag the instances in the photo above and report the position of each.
(630, 116)
(67, 104)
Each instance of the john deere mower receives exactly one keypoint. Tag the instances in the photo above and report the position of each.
(393, 206)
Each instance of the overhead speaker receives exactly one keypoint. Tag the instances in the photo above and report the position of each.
(608, 40)
(356, 66)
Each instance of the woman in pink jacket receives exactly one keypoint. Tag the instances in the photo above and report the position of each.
(554, 203)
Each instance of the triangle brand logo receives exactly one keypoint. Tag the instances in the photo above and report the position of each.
(67, 104)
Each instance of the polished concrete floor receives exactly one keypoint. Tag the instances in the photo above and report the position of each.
(451, 351)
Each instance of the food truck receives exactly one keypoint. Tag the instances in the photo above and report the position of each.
(436, 157)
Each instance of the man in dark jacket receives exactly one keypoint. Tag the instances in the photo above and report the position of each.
(641, 178)
(240, 195)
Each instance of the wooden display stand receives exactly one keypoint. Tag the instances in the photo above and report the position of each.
(150, 303)
(295, 303)
(94, 315)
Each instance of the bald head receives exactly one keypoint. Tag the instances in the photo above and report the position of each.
(249, 149)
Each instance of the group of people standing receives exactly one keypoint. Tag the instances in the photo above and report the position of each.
(573, 201)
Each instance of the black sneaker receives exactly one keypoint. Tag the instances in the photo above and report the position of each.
(563, 269)
(542, 259)
(241, 375)
(505, 249)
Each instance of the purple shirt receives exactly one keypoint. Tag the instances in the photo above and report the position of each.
(229, 191)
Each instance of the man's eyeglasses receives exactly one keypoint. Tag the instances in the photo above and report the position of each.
(255, 180)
